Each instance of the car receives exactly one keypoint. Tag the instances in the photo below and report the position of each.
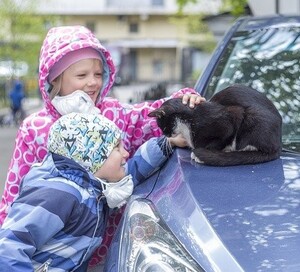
(193, 217)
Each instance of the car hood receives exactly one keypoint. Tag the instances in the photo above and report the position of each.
(244, 214)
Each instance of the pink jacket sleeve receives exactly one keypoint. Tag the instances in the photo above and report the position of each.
(30, 147)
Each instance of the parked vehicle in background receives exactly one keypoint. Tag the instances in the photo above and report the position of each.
(192, 217)
(9, 68)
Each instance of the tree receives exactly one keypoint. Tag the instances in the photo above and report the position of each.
(182, 3)
(236, 7)
(22, 32)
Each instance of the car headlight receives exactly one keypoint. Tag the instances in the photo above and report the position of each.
(148, 245)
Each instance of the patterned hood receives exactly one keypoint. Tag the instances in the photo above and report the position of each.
(58, 42)
(88, 139)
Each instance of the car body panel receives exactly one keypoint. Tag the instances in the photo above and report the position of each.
(237, 218)
(253, 209)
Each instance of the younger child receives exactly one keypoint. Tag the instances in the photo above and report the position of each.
(59, 218)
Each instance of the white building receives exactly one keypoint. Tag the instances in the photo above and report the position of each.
(271, 7)
(146, 44)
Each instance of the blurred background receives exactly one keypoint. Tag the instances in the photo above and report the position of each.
(158, 46)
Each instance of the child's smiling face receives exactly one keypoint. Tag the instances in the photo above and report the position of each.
(113, 169)
(85, 75)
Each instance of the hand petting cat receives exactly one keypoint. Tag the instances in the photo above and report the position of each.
(177, 140)
(192, 99)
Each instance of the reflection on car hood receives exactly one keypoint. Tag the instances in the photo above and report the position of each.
(253, 210)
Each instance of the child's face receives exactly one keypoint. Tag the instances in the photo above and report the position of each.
(113, 169)
(85, 75)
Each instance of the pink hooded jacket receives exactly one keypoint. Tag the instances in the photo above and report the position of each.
(30, 146)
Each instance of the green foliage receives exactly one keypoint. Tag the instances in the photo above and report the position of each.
(194, 26)
(206, 45)
(182, 3)
(22, 33)
(236, 7)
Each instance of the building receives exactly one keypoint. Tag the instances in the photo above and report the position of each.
(272, 7)
(146, 44)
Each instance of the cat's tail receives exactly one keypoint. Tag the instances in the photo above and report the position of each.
(221, 158)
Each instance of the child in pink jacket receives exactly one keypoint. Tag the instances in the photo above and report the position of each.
(75, 74)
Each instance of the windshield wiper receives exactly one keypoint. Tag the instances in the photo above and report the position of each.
(289, 151)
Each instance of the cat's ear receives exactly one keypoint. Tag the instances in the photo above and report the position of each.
(158, 113)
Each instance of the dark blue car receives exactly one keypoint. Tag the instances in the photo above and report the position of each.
(192, 217)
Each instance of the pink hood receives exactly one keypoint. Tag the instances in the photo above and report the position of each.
(61, 40)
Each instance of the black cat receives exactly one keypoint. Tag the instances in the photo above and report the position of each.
(238, 125)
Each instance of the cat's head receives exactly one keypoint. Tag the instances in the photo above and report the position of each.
(166, 115)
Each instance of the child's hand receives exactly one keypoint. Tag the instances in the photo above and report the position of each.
(178, 140)
(192, 99)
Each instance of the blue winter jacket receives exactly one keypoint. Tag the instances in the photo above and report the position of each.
(59, 218)
(16, 95)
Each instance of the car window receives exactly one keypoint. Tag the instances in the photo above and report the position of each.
(269, 61)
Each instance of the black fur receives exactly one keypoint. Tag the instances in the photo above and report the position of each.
(238, 125)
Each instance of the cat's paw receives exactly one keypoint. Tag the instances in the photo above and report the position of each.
(196, 159)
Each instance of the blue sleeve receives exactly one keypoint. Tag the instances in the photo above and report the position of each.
(149, 158)
(28, 226)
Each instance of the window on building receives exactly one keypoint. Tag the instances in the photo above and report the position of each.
(121, 18)
(157, 67)
(133, 27)
(158, 3)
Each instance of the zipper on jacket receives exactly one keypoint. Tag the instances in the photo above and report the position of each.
(44, 267)
(98, 199)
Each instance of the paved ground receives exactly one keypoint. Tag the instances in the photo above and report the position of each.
(8, 136)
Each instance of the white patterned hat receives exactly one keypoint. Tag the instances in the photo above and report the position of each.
(86, 138)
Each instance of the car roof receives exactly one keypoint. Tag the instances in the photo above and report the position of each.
(252, 23)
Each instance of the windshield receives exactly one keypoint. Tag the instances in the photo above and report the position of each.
(269, 61)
